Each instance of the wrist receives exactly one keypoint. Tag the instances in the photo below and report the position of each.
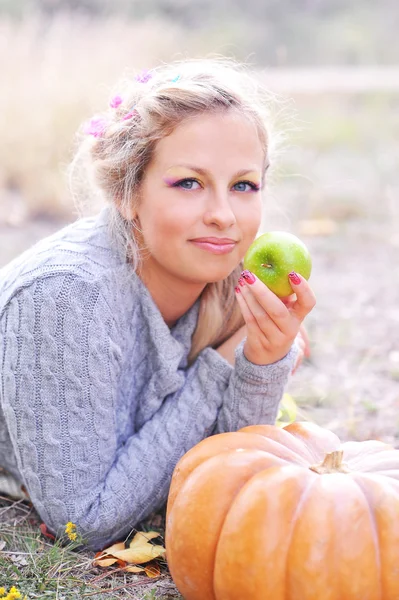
(259, 358)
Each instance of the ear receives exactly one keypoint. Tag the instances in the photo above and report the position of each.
(125, 210)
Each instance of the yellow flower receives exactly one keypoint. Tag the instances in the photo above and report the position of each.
(13, 594)
(2, 591)
(70, 530)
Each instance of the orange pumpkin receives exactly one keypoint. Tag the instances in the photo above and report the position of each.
(266, 513)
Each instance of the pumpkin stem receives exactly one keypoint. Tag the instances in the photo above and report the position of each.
(332, 463)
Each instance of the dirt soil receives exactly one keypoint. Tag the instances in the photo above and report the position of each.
(350, 384)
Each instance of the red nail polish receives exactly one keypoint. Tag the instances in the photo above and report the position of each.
(294, 278)
(237, 290)
(241, 281)
(248, 276)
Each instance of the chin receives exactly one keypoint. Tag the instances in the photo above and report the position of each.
(213, 275)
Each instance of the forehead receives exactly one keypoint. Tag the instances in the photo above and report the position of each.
(211, 138)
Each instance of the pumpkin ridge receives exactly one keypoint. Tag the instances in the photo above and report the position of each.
(307, 454)
(196, 472)
(297, 459)
(245, 483)
(294, 521)
(383, 461)
(360, 480)
(312, 442)
(357, 452)
(296, 468)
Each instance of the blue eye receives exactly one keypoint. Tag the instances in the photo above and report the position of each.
(186, 184)
(252, 186)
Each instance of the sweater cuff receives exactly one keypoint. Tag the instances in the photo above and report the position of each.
(275, 372)
(221, 368)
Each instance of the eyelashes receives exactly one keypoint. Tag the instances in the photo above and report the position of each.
(180, 183)
(254, 187)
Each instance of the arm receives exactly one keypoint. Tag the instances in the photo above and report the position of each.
(60, 384)
(61, 361)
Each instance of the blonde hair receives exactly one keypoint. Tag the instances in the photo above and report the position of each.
(149, 108)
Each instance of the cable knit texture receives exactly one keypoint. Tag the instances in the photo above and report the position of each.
(97, 401)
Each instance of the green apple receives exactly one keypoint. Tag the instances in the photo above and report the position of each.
(275, 254)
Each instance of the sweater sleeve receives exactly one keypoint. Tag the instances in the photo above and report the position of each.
(252, 392)
(61, 365)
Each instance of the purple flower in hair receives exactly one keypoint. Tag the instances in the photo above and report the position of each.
(95, 126)
(144, 76)
(130, 114)
(115, 101)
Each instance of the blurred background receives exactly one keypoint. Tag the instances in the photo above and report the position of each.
(335, 65)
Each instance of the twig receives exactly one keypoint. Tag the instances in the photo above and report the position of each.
(103, 575)
(121, 587)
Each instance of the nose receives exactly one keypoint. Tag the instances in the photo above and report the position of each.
(219, 210)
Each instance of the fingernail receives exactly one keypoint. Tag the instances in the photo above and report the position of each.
(237, 290)
(248, 276)
(294, 278)
(241, 281)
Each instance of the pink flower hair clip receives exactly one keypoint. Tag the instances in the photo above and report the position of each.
(116, 101)
(95, 126)
(131, 114)
(144, 76)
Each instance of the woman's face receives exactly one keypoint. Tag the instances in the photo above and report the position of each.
(203, 181)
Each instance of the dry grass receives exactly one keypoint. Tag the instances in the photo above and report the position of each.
(41, 568)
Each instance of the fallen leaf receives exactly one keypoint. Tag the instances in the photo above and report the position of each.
(287, 411)
(20, 561)
(139, 551)
(141, 554)
(45, 531)
(151, 570)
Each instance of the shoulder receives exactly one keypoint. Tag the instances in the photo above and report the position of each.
(76, 263)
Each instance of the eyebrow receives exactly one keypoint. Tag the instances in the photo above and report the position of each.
(204, 171)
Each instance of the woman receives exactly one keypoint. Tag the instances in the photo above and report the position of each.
(128, 337)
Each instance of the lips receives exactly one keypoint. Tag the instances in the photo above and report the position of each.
(215, 248)
(213, 240)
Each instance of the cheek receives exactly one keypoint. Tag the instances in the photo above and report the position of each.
(163, 230)
(250, 219)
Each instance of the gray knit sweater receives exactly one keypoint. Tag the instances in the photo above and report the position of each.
(97, 403)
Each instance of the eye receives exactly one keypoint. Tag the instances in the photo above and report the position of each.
(241, 186)
(187, 184)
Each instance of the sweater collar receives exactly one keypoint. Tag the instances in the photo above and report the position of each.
(180, 335)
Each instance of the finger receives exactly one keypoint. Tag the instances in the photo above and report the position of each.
(306, 299)
(271, 304)
(300, 343)
(304, 334)
(266, 325)
(249, 318)
(298, 362)
(289, 301)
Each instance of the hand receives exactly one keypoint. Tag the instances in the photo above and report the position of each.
(302, 340)
(272, 325)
